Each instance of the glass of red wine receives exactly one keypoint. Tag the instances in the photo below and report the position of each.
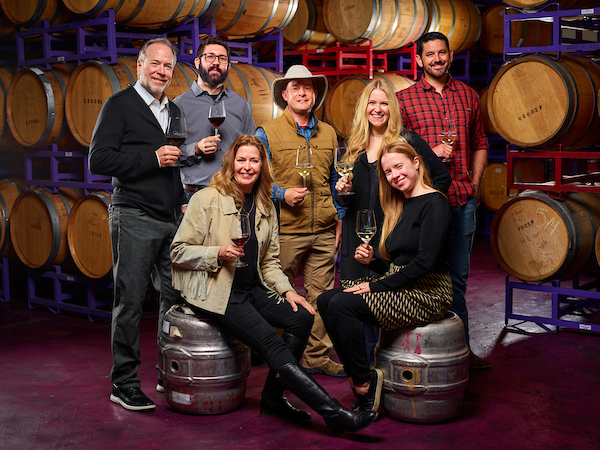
(216, 116)
(240, 233)
(176, 131)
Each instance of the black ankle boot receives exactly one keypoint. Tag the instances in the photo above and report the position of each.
(337, 418)
(273, 402)
(370, 400)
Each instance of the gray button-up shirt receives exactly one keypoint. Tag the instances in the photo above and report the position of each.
(197, 170)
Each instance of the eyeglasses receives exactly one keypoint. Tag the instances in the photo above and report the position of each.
(210, 57)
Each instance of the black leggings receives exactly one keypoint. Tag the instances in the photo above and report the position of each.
(343, 315)
(252, 323)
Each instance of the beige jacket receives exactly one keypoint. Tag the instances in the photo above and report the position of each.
(203, 279)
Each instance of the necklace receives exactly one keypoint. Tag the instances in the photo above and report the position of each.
(251, 208)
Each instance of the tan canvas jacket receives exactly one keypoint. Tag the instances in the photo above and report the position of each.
(203, 279)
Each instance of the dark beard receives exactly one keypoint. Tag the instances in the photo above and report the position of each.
(211, 81)
(434, 75)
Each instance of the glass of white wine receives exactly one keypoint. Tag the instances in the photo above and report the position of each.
(304, 164)
(343, 164)
(448, 134)
(365, 225)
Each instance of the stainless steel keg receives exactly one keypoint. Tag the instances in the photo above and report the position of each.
(203, 367)
(426, 370)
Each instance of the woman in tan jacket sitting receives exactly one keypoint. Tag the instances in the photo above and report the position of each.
(250, 301)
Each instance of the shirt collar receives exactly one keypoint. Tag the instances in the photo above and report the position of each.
(312, 123)
(147, 96)
(428, 87)
(198, 91)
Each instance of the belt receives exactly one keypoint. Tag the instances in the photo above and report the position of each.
(193, 188)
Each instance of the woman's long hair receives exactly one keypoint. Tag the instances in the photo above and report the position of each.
(358, 141)
(224, 180)
(391, 199)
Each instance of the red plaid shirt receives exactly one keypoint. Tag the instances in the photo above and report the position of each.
(423, 110)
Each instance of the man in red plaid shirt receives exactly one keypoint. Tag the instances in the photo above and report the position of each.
(425, 106)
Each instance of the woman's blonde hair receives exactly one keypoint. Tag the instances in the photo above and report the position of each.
(224, 180)
(392, 200)
(358, 141)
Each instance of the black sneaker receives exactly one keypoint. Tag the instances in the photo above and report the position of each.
(132, 398)
(370, 400)
(160, 385)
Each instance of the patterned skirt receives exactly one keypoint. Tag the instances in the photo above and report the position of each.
(423, 301)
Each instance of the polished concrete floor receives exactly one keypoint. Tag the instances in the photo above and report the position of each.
(543, 390)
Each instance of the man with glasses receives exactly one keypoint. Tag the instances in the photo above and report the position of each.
(202, 150)
(310, 226)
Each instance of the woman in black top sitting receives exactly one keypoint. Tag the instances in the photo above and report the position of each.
(415, 290)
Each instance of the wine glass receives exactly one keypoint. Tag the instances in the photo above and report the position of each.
(448, 133)
(240, 233)
(343, 164)
(304, 164)
(365, 225)
(176, 131)
(216, 116)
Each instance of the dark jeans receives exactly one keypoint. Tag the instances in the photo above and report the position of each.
(344, 315)
(252, 323)
(140, 246)
(464, 225)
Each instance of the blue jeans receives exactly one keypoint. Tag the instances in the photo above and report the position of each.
(461, 243)
(140, 246)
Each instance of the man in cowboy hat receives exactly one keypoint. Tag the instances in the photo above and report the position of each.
(310, 225)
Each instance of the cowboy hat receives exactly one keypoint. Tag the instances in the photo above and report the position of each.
(299, 72)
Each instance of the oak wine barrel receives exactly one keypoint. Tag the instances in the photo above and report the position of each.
(88, 234)
(254, 84)
(389, 24)
(142, 13)
(238, 18)
(39, 226)
(528, 33)
(493, 186)
(10, 189)
(538, 102)
(341, 101)
(35, 107)
(535, 237)
(307, 27)
(458, 20)
(31, 12)
(93, 82)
